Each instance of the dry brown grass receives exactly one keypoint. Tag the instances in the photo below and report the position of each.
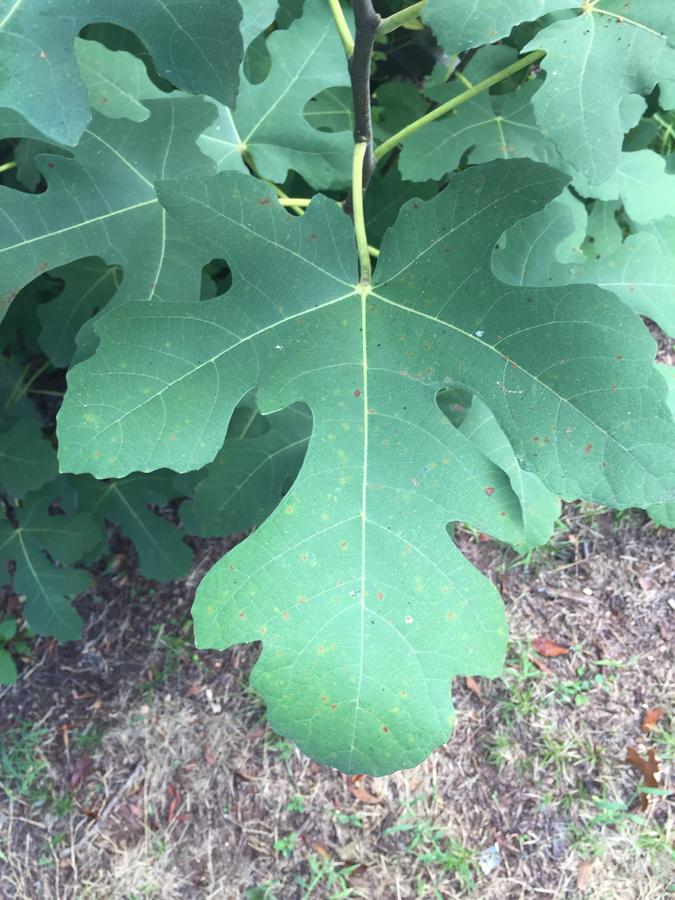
(191, 796)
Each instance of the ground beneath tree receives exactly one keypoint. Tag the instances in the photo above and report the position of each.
(132, 766)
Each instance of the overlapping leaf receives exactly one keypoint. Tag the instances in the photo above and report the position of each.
(268, 122)
(102, 202)
(88, 286)
(364, 605)
(259, 460)
(195, 44)
(640, 270)
(490, 126)
(460, 25)
(598, 56)
(163, 555)
(594, 62)
(116, 81)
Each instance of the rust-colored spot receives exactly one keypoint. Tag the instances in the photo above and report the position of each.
(301, 600)
(333, 706)
(313, 237)
(588, 448)
(50, 165)
(344, 544)
(489, 491)
(285, 615)
(614, 387)
(619, 356)
(264, 201)
(502, 514)
(536, 438)
(357, 393)
(379, 595)
(385, 730)
(242, 614)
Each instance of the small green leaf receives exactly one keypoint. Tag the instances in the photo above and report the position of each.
(47, 582)
(8, 672)
(27, 460)
(163, 555)
(8, 628)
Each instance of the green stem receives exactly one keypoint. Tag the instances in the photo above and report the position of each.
(360, 151)
(295, 201)
(401, 17)
(5, 167)
(342, 27)
(444, 108)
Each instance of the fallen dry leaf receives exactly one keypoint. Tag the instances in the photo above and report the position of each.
(652, 718)
(584, 872)
(648, 768)
(473, 685)
(361, 794)
(540, 665)
(546, 647)
(81, 770)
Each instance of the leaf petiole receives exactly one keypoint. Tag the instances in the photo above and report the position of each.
(342, 27)
(360, 150)
(390, 23)
(447, 107)
(295, 201)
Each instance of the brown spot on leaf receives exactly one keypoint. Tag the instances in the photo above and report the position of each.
(489, 491)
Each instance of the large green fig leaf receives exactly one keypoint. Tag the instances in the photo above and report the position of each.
(102, 202)
(269, 124)
(162, 553)
(48, 582)
(364, 605)
(195, 43)
(260, 458)
(595, 62)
